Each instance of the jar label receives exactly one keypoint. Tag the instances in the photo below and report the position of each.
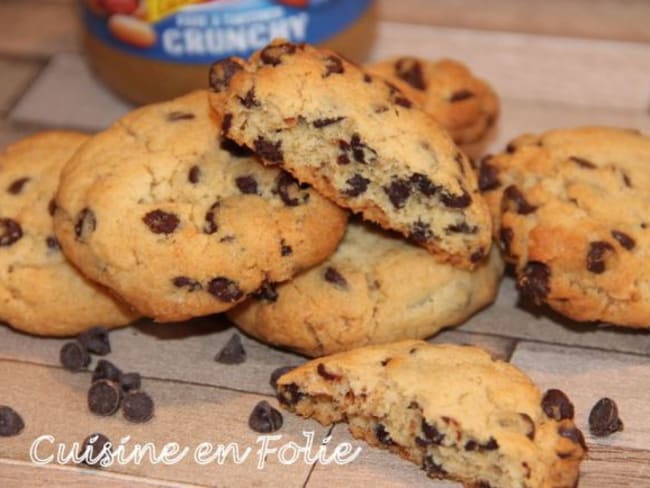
(201, 31)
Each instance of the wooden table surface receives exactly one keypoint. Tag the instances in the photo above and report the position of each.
(544, 82)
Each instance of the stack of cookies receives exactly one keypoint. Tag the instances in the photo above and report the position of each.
(326, 208)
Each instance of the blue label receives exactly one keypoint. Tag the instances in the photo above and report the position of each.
(200, 33)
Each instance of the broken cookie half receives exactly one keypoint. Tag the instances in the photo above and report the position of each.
(451, 409)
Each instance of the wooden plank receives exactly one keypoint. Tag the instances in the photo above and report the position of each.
(611, 466)
(586, 376)
(532, 67)
(507, 318)
(16, 76)
(53, 402)
(605, 19)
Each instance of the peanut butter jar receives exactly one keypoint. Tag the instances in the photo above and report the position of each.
(152, 50)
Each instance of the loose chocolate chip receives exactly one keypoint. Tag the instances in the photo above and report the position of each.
(130, 382)
(104, 397)
(530, 425)
(161, 222)
(583, 163)
(623, 239)
(556, 405)
(86, 223)
(17, 186)
(290, 394)
(322, 372)
(137, 407)
(505, 238)
(284, 184)
(249, 100)
(275, 375)
(226, 124)
(431, 434)
(410, 70)
(456, 201)
(266, 292)
(52, 243)
(285, 249)
(233, 352)
(432, 468)
(333, 276)
(74, 356)
(383, 436)
(224, 289)
(96, 450)
(573, 434)
(96, 341)
(272, 55)
(246, 184)
(596, 256)
(477, 256)
(357, 185)
(333, 65)
(533, 281)
(186, 282)
(270, 151)
(420, 232)
(423, 184)
(11, 423)
(460, 95)
(10, 232)
(462, 228)
(105, 370)
(177, 115)
(398, 192)
(235, 149)
(194, 175)
(51, 207)
(210, 226)
(603, 418)
(512, 194)
(222, 72)
(320, 123)
(264, 418)
(488, 176)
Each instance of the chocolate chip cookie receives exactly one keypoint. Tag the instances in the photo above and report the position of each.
(181, 224)
(572, 212)
(452, 410)
(40, 291)
(463, 104)
(375, 288)
(359, 140)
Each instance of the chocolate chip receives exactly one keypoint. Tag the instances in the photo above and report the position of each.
(398, 192)
(249, 100)
(52, 243)
(186, 282)
(17, 186)
(246, 184)
(233, 352)
(623, 239)
(275, 375)
(105, 370)
(530, 425)
(583, 163)
(432, 468)
(226, 124)
(320, 123)
(458, 157)
(477, 256)
(96, 450)
(456, 201)
(462, 228)
(521, 205)
(556, 405)
(603, 418)
(96, 341)
(10, 232)
(511, 148)
(272, 54)
(383, 436)
(460, 95)
(11, 423)
(420, 232)
(264, 418)
(137, 407)
(573, 434)
(266, 292)
(161, 222)
(222, 72)
(397, 96)
(104, 397)
(505, 238)
(51, 207)
(270, 151)
(224, 289)
(130, 382)
(367, 78)
(357, 185)
(596, 256)
(333, 276)
(423, 184)
(488, 176)
(235, 149)
(626, 179)
(333, 65)
(533, 281)
(74, 356)
(86, 223)
(322, 372)
(284, 184)
(410, 70)
(431, 435)
(177, 115)
(359, 150)
(290, 394)
(471, 445)
(285, 249)
(194, 175)
(210, 226)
